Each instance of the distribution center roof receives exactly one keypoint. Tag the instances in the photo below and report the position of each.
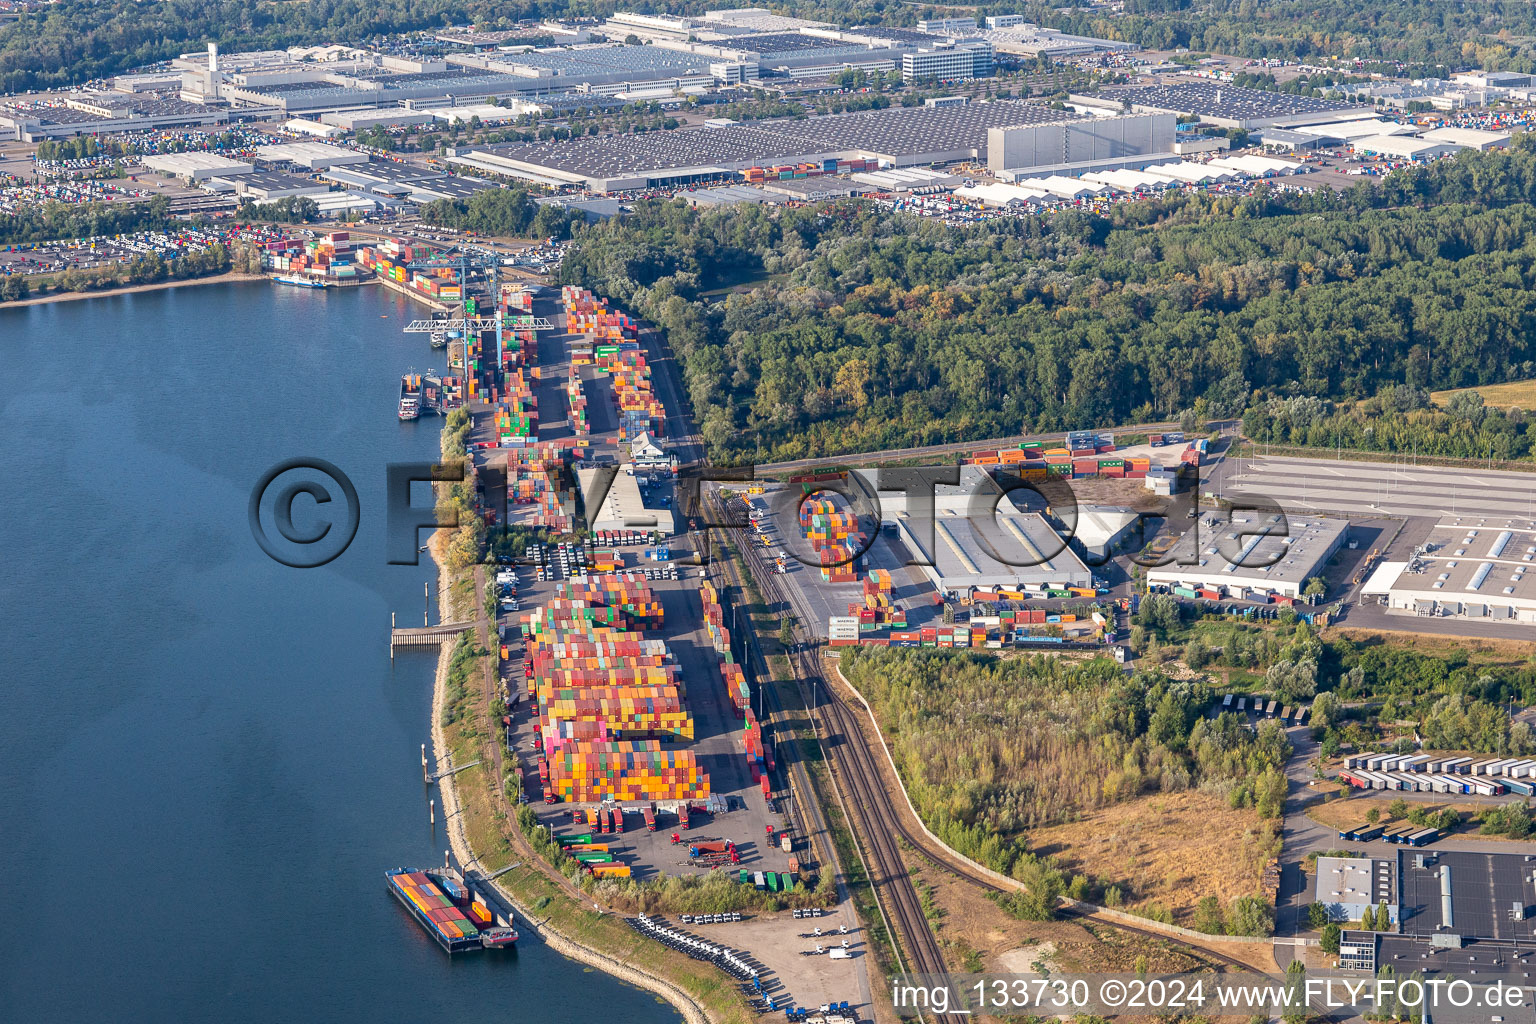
(1254, 549)
(1476, 559)
(1224, 101)
(895, 133)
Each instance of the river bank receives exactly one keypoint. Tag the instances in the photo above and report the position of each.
(132, 289)
(454, 812)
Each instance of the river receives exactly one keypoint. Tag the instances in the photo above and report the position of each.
(208, 759)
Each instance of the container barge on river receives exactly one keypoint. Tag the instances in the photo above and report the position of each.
(449, 910)
(429, 393)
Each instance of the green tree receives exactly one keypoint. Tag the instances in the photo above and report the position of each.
(1208, 916)
(1317, 915)
(1329, 943)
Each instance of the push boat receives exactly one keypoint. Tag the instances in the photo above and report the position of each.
(449, 910)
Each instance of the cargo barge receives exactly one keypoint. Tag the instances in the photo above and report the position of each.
(449, 911)
(300, 280)
(428, 393)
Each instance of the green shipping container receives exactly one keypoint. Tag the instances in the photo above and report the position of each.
(773, 881)
(1031, 446)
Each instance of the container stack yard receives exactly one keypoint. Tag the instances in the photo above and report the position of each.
(640, 411)
(518, 347)
(835, 537)
(785, 172)
(607, 696)
(736, 689)
(1088, 454)
(876, 610)
(330, 258)
(576, 402)
(536, 476)
(517, 414)
(388, 260)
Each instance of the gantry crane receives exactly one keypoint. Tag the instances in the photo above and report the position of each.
(463, 261)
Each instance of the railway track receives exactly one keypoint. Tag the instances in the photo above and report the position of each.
(852, 749)
(917, 949)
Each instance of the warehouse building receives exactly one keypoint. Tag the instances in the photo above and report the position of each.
(1467, 895)
(974, 537)
(265, 186)
(728, 195)
(1079, 141)
(1103, 530)
(895, 137)
(98, 113)
(1227, 106)
(622, 507)
(1362, 128)
(195, 167)
(313, 156)
(1255, 554)
(1349, 886)
(1011, 34)
(358, 120)
(1472, 567)
(1469, 138)
(1404, 147)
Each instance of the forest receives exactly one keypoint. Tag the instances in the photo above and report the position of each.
(1399, 418)
(504, 212)
(51, 220)
(844, 328)
(1365, 695)
(989, 749)
(72, 41)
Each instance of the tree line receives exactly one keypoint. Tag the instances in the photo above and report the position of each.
(840, 327)
(989, 749)
(52, 220)
(502, 212)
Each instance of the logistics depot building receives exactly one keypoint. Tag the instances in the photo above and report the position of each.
(1349, 886)
(1473, 567)
(976, 538)
(1254, 555)
(1030, 135)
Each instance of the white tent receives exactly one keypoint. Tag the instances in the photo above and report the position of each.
(1190, 173)
(1067, 188)
(999, 194)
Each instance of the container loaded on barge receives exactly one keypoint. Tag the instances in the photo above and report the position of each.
(449, 911)
(429, 393)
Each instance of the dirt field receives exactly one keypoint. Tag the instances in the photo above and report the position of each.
(1160, 849)
(1521, 393)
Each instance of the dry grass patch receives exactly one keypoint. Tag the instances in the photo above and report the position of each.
(1516, 393)
(1166, 849)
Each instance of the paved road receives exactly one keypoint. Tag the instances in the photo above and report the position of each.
(1323, 485)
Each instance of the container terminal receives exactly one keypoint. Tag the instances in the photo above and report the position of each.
(449, 910)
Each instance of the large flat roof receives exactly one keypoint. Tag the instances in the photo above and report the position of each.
(1474, 560)
(1484, 888)
(1006, 549)
(1355, 880)
(895, 133)
(1229, 102)
(1253, 548)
